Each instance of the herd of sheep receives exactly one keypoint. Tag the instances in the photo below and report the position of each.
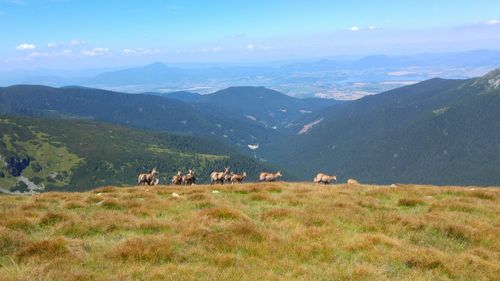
(227, 176)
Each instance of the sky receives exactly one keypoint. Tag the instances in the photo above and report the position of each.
(72, 34)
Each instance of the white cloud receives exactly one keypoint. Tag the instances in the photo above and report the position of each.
(95, 52)
(70, 43)
(252, 47)
(25, 46)
(357, 28)
(128, 51)
(140, 51)
(492, 22)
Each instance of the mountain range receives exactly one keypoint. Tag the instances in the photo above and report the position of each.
(238, 116)
(440, 131)
(334, 78)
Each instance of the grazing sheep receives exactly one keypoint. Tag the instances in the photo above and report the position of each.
(238, 178)
(189, 178)
(269, 176)
(147, 178)
(216, 177)
(324, 178)
(352, 181)
(177, 179)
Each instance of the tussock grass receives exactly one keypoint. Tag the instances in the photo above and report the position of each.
(277, 213)
(152, 226)
(425, 259)
(111, 203)
(144, 249)
(410, 202)
(224, 213)
(253, 231)
(10, 241)
(22, 220)
(199, 197)
(45, 249)
(52, 218)
(260, 196)
(203, 204)
(370, 241)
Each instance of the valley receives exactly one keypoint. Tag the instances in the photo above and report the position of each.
(438, 131)
(341, 78)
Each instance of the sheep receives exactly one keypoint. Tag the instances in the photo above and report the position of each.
(176, 180)
(324, 178)
(264, 176)
(219, 176)
(147, 178)
(238, 178)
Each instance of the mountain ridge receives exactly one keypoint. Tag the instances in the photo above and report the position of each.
(142, 111)
(434, 131)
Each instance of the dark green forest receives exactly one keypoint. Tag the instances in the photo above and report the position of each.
(434, 132)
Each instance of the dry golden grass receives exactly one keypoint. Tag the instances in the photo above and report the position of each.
(144, 249)
(410, 202)
(253, 231)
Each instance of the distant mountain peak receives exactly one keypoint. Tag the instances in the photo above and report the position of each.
(156, 65)
(248, 90)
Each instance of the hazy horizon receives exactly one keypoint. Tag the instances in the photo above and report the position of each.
(80, 35)
(208, 64)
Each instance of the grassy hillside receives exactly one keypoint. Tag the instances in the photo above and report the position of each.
(78, 155)
(280, 231)
(434, 132)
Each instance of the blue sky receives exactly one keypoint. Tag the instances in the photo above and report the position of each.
(111, 33)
